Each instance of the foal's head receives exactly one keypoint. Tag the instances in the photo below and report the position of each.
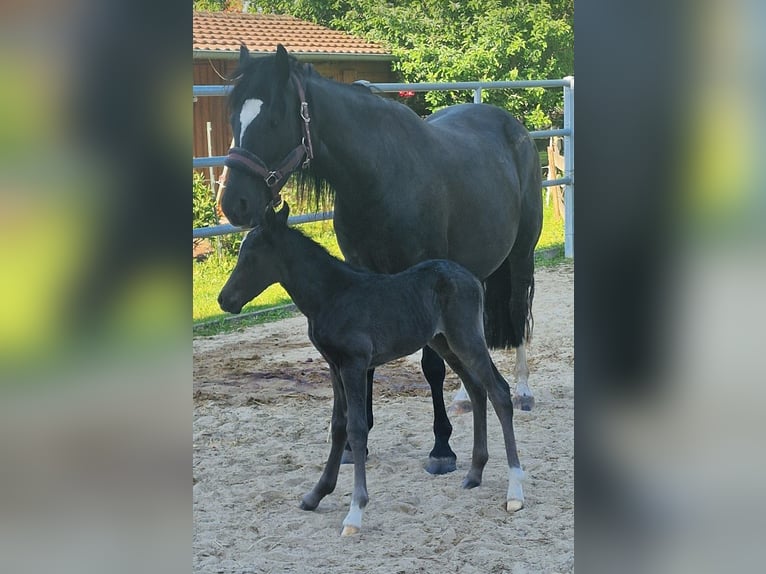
(267, 128)
(257, 264)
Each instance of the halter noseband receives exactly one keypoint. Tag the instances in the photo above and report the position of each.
(301, 155)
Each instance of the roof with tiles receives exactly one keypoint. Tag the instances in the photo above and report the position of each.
(224, 32)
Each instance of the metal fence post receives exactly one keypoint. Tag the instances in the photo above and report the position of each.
(477, 96)
(569, 168)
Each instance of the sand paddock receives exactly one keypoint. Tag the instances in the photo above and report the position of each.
(262, 406)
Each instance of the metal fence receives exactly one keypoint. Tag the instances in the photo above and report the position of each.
(567, 132)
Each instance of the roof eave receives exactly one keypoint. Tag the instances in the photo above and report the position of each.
(313, 56)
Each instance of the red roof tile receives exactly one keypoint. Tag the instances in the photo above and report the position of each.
(225, 31)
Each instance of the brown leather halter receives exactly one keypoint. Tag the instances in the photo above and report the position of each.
(301, 155)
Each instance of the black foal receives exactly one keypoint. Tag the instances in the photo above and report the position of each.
(359, 320)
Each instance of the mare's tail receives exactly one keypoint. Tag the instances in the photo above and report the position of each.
(508, 319)
(510, 289)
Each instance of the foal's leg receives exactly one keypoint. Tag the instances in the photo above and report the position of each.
(478, 397)
(355, 385)
(348, 458)
(442, 459)
(500, 396)
(473, 358)
(329, 476)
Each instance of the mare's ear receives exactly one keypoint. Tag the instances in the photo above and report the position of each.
(244, 55)
(282, 67)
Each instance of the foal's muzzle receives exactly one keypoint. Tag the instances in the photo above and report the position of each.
(227, 304)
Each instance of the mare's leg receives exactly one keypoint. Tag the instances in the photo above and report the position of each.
(522, 398)
(522, 260)
(461, 402)
(329, 476)
(348, 458)
(478, 397)
(442, 459)
(355, 385)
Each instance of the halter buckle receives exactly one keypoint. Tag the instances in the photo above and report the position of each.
(305, 112)
(272, 179)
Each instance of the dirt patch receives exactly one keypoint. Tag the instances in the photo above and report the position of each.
(262, 405)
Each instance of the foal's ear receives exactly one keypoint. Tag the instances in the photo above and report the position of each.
(282, 66)
(272, 217)
(283, 213)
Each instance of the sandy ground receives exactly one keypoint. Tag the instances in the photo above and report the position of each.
(262, 405)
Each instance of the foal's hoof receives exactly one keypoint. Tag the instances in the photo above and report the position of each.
(348, 457)
(460, 408)
(349, 530)
(523, 402)
(469, 483)
(307, 503)
(441, 465)
(512, 506)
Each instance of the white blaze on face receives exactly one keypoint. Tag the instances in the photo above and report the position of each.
(250, 110)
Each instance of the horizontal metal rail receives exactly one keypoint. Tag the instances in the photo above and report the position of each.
(227, 228)
(223, 90)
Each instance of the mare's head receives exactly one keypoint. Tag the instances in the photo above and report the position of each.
(268, 134)
(257, 264)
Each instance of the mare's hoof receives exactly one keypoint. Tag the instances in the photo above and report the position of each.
(460, 408)
(349, 531)
(308, 505)
(523, 402)
(348, 457)
(469, 482)
(512, 506)
(441, 465)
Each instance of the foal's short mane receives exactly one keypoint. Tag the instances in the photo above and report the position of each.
(317, 250)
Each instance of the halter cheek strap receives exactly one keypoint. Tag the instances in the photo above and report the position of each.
(301, 155)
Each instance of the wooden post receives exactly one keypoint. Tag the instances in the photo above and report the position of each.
(556, 164)
(221, 187)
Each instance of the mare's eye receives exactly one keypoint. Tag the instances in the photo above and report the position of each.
(274, 122)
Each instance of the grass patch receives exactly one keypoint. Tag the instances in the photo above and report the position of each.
(210, 275)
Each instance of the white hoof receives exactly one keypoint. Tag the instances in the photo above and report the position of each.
(514, 499)
(349, 531)
(513, 505)
(460, 408)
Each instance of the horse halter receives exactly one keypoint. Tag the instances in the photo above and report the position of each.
(301, 155)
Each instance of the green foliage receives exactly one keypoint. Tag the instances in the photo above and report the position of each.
(213, 5)
(203, 203)
(444, 41)
(204, 214)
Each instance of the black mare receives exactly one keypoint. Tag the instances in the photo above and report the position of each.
(465, 185)
(358, 320)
